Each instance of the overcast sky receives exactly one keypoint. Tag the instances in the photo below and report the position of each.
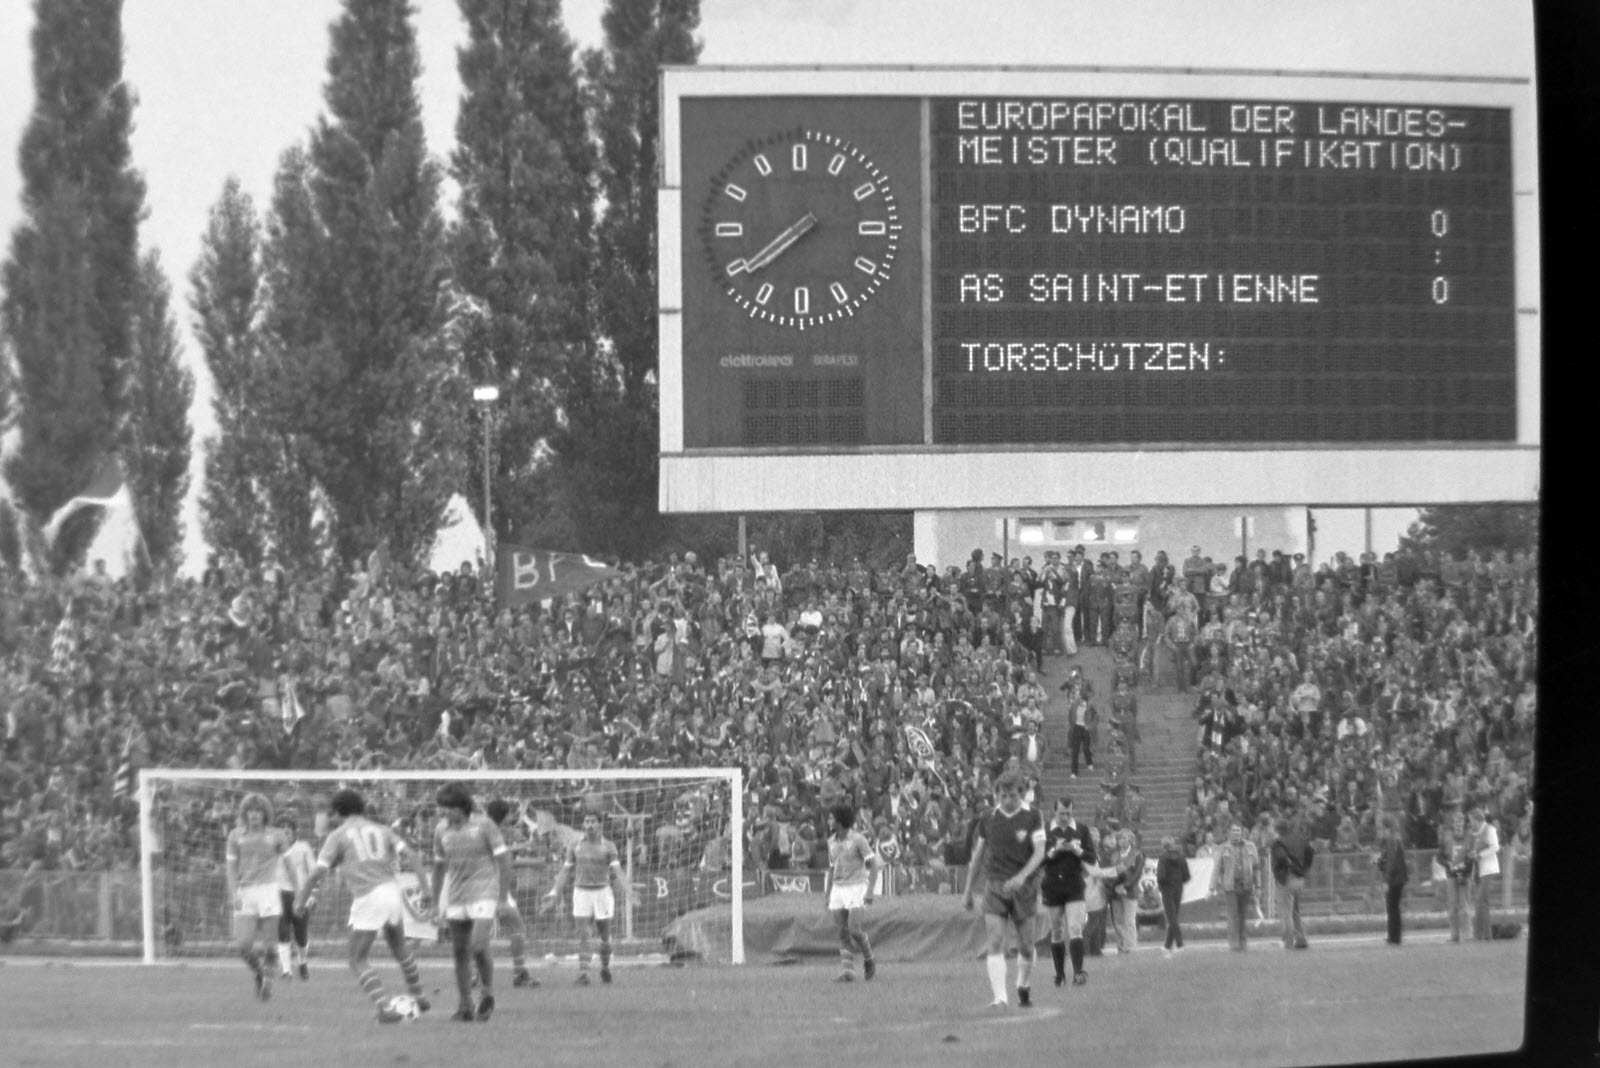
(225, 86)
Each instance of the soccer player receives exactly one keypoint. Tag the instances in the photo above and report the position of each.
(509, 915)
(471, 875)
(1068, 851)
(253, 849)
(852, 866)
(294, 868)
(368, 853)
(594, 861)
(1009, 848)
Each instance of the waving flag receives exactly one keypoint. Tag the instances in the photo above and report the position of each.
(293, 710)
(922, 748)
(919, 741)
(108, 488)
(122, 781)
(523, 574)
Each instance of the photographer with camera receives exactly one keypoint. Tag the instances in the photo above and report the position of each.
(1124, 891)
(1392, 866)
(1291, 860)
(1455, 858)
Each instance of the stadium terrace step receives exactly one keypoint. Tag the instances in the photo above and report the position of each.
(1164, 759)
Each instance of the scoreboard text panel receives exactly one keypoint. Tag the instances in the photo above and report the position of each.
(1124, 271)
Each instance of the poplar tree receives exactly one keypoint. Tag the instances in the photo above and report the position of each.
(608, 450)
(356, 303)
(155, 438)
(71, 275)
(522, 249)
(224, 295)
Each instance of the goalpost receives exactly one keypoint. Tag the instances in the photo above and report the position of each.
(679, 833)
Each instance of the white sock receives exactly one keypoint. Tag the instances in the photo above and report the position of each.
(284, 958)
(996, 963)
(1025, 961)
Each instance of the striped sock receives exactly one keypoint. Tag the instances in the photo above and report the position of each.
(371, 985)
(864, 945)
(408, 968)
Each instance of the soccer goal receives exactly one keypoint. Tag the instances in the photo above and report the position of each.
(678, 833)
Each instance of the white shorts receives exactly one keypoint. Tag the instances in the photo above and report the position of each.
(261, 901)
(476, 910)
(378, 908)
(597, 902)
(846, 896)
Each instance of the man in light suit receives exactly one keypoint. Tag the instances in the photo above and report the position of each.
(1082, 576)
(1237, 874)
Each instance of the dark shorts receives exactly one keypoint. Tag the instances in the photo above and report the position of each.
(1054, 894)
(1023, 905)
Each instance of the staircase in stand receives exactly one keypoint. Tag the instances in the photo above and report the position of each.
(1164, 762)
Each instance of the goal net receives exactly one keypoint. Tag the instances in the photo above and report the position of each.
(677, 831)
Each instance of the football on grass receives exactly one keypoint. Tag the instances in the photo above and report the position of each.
(404, 1006)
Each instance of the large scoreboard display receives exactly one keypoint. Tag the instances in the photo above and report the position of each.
(1103, 270)
(1303, 282)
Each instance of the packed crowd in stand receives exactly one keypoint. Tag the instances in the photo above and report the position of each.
(804, 679)
(1336, 695)
(1363, 690)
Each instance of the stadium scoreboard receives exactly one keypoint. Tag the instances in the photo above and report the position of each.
(1086, 262)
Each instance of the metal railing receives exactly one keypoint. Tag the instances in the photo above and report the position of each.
(105, 906)
(1349, 883)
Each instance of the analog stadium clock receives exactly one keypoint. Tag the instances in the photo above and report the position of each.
(800, 228)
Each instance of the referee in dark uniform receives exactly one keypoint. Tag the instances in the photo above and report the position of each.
(1067, 848)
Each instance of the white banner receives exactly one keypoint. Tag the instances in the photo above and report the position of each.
(791, 884)
(1198, 888)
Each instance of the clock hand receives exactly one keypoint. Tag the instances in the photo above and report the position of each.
(778, 245)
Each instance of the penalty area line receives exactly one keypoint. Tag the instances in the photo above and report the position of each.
(123, 1043)
(1013, 1016)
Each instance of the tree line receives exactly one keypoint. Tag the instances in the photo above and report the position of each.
(346, 322)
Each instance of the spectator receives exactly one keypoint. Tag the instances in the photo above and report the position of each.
(1172, 872)
(1291, 861)
(1485, 854)
(1395, 872)
(1237, 875)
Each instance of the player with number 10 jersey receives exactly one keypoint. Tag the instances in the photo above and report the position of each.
(368, 853)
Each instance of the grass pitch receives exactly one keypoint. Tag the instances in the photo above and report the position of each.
(1345, 1000)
